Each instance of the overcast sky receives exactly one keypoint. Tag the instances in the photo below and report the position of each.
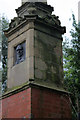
(62, 8)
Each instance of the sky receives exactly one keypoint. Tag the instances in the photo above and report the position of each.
(62, 8)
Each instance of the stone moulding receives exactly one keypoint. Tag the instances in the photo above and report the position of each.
(47, 20)
(28, 85)
(39, 5)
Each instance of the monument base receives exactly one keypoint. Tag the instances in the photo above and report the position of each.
(33, 101)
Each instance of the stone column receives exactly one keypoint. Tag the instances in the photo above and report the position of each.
(79, 11)
(23, 1)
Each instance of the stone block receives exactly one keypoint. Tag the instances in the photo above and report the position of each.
(38, 74)
(27, 51)
(31, 73)
(30, 60)
(21, 31)
(10, 51)
(31, 51)
(18, 74)
(10, 62)
(40, 64)
(37, 53)
(53, 70)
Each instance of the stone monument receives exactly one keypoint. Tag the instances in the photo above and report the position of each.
(35, 65)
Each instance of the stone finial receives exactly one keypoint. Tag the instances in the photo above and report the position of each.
(23, 1)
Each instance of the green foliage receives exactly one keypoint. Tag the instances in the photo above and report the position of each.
(4, 26)
(71, 54)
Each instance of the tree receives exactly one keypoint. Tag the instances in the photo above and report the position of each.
(71, 53)
(4, 26)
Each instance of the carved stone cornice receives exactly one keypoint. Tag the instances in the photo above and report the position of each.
(49, 20)
(34, 8)
(32, 85)
(37, 11)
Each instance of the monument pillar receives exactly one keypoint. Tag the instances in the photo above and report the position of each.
(79, 12)
(35, 65)
(24, 1)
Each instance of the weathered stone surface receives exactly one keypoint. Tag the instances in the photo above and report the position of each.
(19, 74)
(48, 54)
(31, 73)
(34, 8)
(10, 51)
(38, 74)
(10, 62)
(19, 30)
(31, 61)
(39, 64)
